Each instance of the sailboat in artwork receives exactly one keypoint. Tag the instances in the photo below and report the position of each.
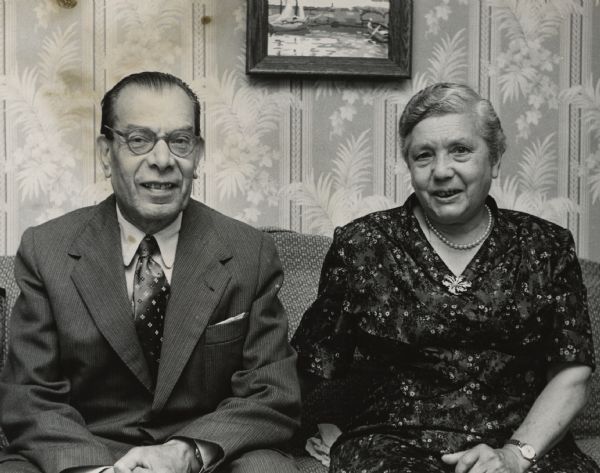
(291, 19)
(378, 31)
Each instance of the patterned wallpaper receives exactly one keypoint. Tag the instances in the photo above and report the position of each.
(302, 154)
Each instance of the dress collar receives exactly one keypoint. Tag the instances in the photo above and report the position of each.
(482, 261)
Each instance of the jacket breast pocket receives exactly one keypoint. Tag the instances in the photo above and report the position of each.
(227, 331)
(223, 356)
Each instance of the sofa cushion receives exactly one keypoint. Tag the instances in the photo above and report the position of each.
(591, 446)
(7, 282)
(587, 423)
(301, 256)
(308, 464)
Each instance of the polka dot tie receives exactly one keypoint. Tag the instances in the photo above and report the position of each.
(150, 296)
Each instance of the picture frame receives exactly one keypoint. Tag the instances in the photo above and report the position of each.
(347, 33)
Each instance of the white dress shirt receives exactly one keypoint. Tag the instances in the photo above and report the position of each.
(131, 236)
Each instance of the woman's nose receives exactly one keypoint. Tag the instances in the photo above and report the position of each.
(442, 166)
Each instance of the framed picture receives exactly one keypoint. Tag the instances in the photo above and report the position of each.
(344, 38)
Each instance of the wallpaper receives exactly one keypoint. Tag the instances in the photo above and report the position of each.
(302, 154)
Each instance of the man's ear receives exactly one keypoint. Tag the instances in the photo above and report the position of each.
(104, 149)
(198, 157)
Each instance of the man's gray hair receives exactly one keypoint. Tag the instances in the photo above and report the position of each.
(148, 80)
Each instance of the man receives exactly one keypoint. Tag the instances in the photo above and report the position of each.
(148, 335)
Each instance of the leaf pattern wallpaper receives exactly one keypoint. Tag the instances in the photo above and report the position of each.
(308, 155)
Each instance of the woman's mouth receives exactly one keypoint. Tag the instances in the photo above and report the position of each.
(444, 194)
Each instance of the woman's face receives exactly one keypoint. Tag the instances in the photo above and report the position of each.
(450, 167)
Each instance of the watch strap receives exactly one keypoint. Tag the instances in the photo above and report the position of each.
(522, 447)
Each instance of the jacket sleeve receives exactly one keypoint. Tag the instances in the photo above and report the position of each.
(35, 413)
(264, 407)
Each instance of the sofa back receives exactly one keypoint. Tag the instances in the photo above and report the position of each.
(302, 257)
(588, 422)
(7, 282)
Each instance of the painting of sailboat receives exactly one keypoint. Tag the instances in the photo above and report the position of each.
(329, 38)
(291, 19)
(329, 28)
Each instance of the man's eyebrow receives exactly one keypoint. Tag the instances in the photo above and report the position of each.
(131, 127)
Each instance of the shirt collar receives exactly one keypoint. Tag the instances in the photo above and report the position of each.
(131, 236)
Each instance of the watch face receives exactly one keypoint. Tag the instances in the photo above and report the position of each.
(528, 451)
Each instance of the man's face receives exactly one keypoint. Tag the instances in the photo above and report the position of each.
(151, 188)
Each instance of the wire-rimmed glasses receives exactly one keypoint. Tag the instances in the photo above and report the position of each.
(142, 140)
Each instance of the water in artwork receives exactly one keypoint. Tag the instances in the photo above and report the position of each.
(303, 29)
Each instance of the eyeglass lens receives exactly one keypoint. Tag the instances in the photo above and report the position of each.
(181, 143)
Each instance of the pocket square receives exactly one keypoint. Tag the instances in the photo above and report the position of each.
(232, 319)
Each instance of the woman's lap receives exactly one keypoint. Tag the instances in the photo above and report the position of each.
(379, 453)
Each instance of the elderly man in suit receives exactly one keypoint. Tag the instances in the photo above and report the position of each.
(148, 336)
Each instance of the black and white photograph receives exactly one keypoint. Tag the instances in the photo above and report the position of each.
(300, 236)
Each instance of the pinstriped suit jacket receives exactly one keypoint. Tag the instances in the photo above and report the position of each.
(76, 389)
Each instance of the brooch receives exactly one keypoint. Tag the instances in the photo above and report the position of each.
(456, 284)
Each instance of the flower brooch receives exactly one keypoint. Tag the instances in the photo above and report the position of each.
(456, 284)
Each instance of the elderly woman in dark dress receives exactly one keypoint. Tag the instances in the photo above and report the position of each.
(470, 321)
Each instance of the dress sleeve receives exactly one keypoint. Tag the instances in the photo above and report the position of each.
(570, 340)
(325, 339)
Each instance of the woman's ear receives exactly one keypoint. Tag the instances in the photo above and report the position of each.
(496, 168)
(105, 154)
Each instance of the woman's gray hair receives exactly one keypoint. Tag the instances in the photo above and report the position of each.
(446, 98)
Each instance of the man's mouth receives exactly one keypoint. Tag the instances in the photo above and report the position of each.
(160, 186)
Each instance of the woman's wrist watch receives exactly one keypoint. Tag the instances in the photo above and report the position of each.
(527, 451)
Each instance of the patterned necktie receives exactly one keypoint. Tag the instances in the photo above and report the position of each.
(150, 296)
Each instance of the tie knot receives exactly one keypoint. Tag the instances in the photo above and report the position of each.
(148, 247)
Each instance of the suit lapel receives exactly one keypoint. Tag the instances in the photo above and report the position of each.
(100, 279)
(198, 281)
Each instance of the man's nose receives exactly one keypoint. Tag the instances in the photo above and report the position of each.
(160, 156)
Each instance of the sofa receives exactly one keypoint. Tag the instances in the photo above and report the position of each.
(302, 256)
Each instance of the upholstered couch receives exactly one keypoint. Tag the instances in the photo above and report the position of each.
(302, 256)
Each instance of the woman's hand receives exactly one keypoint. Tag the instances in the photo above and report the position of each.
(485, 459)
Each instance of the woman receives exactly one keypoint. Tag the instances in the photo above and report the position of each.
(474, 342)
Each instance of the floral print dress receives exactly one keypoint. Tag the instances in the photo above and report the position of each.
(444, 363)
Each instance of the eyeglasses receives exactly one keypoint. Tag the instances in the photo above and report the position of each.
(142, 140)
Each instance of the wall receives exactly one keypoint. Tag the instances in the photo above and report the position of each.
(307, 155)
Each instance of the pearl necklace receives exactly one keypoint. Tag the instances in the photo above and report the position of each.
(458, 246)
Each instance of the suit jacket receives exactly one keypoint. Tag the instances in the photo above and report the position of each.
(76, 389)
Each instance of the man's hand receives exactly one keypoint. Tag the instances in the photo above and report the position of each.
(485, 459)
(175, 456)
